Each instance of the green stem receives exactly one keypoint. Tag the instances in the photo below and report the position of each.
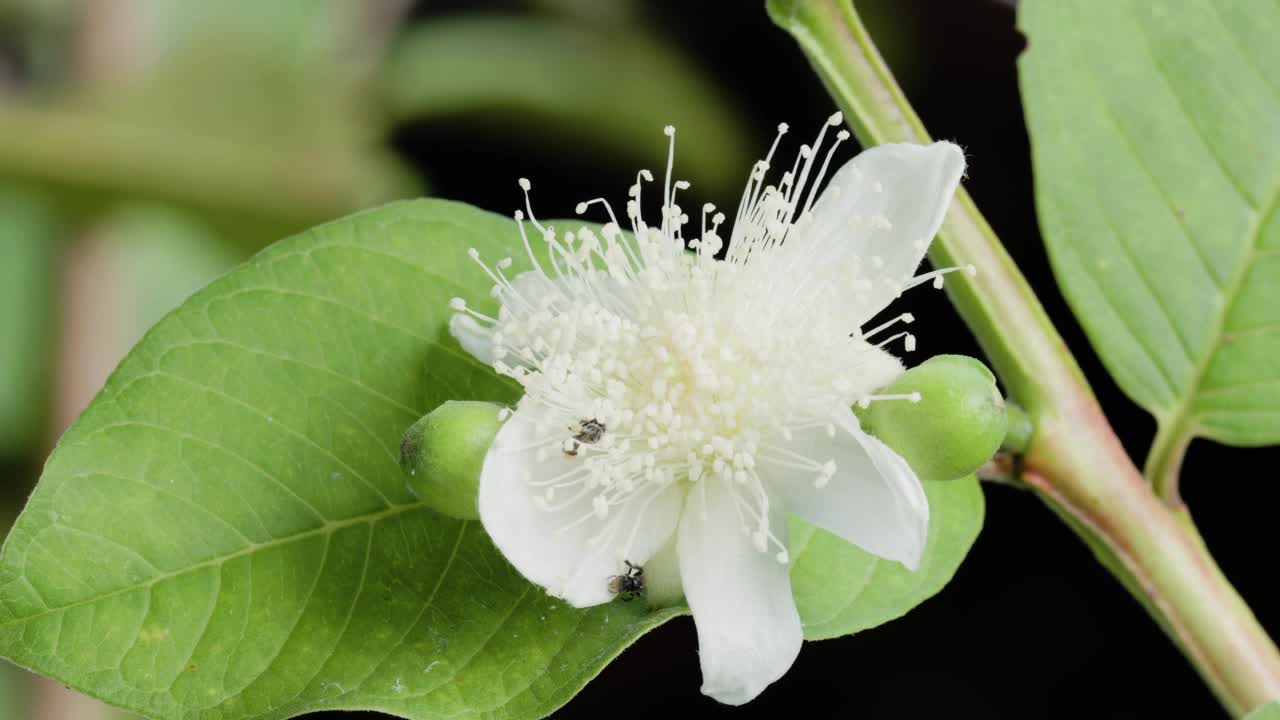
(1018, 437)
(1073, 461)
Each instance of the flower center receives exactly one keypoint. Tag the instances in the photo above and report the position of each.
(645, 365)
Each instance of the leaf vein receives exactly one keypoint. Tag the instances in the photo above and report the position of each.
(426, 605)
(320, 517)
(306, 439)
(328, 527)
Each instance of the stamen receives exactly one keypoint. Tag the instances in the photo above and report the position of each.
(822, 172)
(670, 132)
(865, 401)
(909, 343)
(936, 276)
(906, 318)
(460, 305)
(519, 215)
(526, 186)
(808, 164)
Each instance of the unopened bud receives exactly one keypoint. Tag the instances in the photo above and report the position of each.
(957, 426)
(442, 455)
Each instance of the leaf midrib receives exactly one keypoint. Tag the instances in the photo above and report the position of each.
(1175, 427)
(1178, 423)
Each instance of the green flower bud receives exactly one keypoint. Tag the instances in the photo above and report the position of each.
(957, 425)
(443, 453)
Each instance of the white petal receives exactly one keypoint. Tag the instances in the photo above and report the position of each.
(874, 500)
(663, 587)
(883, 207)
(475, 338)
(748, 627)
(574, 563)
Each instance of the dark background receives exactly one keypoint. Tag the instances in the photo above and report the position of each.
(1031, 626)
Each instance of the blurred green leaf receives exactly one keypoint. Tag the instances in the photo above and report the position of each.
(28, 251)
(256, 115)
(289, 73)
(605, 87)
(1157, 181)
(595, 12)
(37, 34)
(249, 192)
(159, 257)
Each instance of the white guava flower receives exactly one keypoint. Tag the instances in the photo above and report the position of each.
(679, 405)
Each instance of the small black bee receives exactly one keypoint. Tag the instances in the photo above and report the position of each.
(587, 431)
(628, 586)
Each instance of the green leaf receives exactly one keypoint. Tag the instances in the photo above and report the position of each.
(610, 87)
(1270, 711)
(226, 532)
(841, 589)
(28, 252)
(1157, 183)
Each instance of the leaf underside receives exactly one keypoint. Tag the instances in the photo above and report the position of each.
(1157, 180)
(226, 533)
